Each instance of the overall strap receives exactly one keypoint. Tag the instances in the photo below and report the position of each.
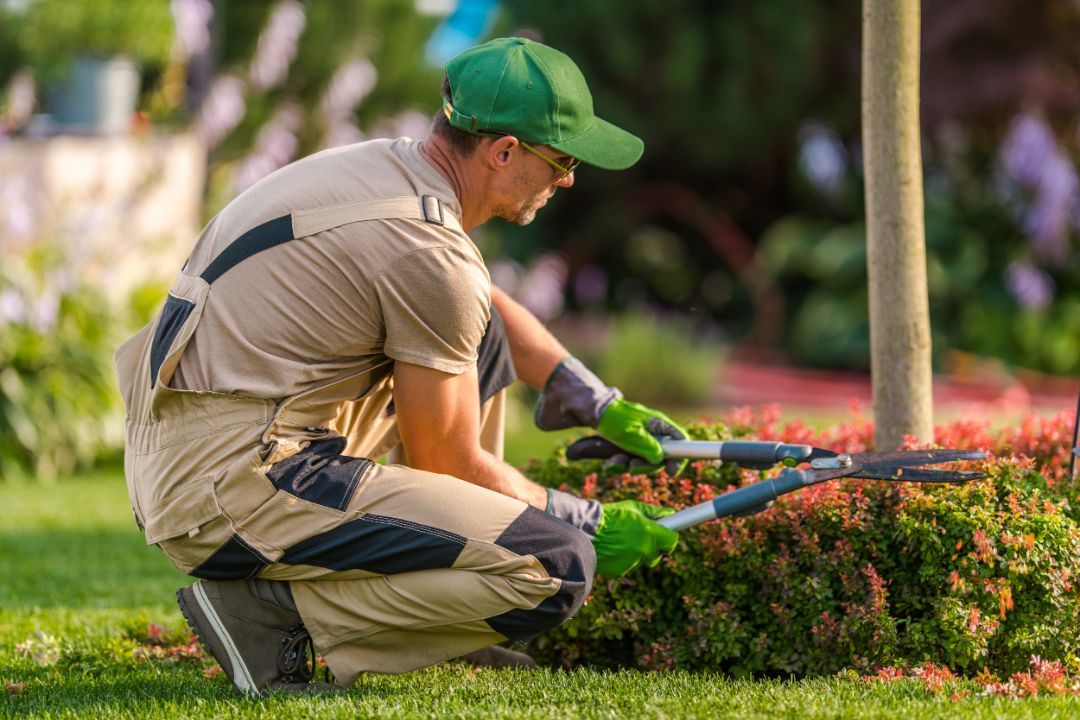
(303, 223)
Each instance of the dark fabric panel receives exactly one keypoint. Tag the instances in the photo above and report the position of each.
(494, 366)
(321, 474)
(378, 544)
(235, 560)
(173, 316)
(493, 363)
(566, 553)
(524, 625)
(563, 550)
(259, 238)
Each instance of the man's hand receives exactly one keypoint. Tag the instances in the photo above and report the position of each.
(624, 533)
(574, 396)
(635, 428)
(628, 536)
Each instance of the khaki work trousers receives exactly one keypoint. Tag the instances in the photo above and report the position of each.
(415, 568)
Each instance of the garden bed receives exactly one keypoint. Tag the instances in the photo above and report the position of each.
(851, 574)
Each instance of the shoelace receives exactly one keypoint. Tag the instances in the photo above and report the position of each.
(296, 663)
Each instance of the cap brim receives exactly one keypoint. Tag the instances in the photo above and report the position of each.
(604, 146)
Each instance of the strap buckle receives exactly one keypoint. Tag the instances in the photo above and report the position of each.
(431, 208)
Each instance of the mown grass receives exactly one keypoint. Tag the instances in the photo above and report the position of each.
(77, 580)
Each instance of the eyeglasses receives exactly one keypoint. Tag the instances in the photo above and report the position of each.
(563, 170)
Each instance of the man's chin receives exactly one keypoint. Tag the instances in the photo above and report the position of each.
(523, 214)
(520, 217)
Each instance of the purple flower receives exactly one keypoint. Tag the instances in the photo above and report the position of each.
(275, 145)
(506, 275)
(1032, 287)
(277, 45)
(12, 307)
(1057, 197)
(343, 131)
(18, 209)
(222, 110)
(590, 286)
(541, 289)
(1033, 165)
(191, 23)
(45, 311)
(822, 158)
(350, 84)
(1026, 147)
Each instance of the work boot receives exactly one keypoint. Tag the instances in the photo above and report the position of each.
(499, 657)
(252, 628)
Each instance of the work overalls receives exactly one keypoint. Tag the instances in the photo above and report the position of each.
(392, 568)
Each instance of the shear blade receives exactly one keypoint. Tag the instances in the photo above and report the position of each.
(916, 474)
(912, 458)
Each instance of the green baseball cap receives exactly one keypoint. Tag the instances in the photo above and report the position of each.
(537, 94)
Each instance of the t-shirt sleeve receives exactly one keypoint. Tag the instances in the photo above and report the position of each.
(435, 305)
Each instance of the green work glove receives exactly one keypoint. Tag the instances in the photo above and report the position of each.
(628, 536)
(574, 397)
(635, 428)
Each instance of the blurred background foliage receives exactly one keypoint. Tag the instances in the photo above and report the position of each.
(320, 74)
(747, 207)
(52, 32)
(741, 231)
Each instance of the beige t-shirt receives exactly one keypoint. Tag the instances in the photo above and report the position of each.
(342, 301)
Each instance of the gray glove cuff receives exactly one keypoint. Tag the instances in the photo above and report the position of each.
(572, 397)
(582, 514)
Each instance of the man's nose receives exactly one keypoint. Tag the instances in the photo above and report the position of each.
(565, 181)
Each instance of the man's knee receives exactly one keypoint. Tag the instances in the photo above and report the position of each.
(566, 553)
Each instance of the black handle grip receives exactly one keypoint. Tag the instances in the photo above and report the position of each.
(593, 447)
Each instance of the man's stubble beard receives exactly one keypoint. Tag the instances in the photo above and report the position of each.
(524, 215)
(525, 212)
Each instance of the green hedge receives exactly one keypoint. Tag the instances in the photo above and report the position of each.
(852, 574)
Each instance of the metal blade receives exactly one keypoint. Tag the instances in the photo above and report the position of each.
(885, 465)
(923, 475)
(912, 458)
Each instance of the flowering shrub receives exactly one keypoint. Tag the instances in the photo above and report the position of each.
(848, 574)
(1044, 677)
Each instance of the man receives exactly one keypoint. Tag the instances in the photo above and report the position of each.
(335, 310)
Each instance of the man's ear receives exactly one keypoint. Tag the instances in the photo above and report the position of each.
(499, 152)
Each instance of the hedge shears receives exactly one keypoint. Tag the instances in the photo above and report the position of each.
(824, 465)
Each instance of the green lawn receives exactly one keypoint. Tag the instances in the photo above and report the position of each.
(78, 588)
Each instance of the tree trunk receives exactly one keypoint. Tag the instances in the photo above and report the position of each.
(896, 253)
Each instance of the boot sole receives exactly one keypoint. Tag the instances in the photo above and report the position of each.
(205, 622)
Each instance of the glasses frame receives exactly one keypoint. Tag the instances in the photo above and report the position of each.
(564, 171)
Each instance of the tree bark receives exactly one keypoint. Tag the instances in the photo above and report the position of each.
(896, 253)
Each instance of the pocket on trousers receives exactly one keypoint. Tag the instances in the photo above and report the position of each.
(184, 512)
